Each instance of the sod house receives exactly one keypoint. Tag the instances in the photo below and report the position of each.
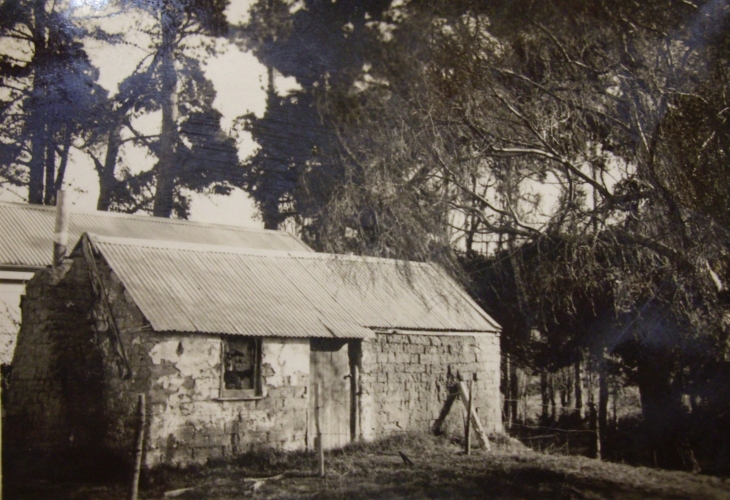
(227, 344)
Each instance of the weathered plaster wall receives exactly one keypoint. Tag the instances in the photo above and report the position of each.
(180, 374)
(75, 386)
(188, 422)
(404, 382)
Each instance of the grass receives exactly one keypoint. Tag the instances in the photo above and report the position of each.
(376, 470)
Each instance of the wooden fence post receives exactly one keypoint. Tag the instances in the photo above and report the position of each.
(468, 418)
(138, 447)
(320, 445)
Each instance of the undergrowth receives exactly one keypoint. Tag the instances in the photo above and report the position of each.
(269, 462)
(439, 468)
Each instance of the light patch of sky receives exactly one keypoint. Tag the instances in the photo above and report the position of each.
(548, 191)
(239, 80)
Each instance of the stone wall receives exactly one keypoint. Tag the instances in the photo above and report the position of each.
(74, 388)
(53, 403)
(404, 382)
(180, 373)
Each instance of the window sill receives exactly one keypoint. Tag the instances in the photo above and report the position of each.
(238, 398)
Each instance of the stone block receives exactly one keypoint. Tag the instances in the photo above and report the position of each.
(410, 368)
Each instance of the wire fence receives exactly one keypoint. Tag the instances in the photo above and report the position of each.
(544, 427)
(553, 428)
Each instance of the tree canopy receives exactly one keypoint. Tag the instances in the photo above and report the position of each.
(50, 96)
(322, 44)
(52, 103)
(571, 154)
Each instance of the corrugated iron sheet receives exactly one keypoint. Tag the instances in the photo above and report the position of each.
(215, 289)
(27, 232)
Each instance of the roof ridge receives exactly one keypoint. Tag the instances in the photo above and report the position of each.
(202, 247)
(145, 218)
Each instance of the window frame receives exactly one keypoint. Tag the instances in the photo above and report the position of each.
(241, 394)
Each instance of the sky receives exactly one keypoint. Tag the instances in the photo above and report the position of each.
(237, 76)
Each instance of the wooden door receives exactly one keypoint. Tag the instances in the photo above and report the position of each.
(329, 366)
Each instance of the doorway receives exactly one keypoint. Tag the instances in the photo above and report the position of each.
(331, 365)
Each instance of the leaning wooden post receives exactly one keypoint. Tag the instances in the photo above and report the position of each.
(138, 447)
(468, 418)
(60, 233)
(320, 446)
(478, 428)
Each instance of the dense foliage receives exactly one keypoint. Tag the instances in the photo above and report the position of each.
(574, 155)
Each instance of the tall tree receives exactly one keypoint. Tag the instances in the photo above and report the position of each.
(136, 96)
(51, 96)
(178, 21)
(192, 150)
(322, 44)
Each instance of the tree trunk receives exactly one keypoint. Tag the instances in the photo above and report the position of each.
(50, 195)
(37, 162)
(505, 382)
(36, 122)
(662, 410)
(270, 213)
(545, 396)
(106, 176)
(168, 132)
(602, 402)
(514, 391)
(594, 450)
(615, 404)
(64, 162)
(566, 389)
(578, 388)
(471, 225)
(553, 406)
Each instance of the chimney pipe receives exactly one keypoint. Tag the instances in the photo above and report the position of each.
(60, 234)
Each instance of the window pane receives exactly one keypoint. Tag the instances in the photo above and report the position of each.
(240, 365)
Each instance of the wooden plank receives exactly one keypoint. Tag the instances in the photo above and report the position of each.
(464, 396)
(329, 366)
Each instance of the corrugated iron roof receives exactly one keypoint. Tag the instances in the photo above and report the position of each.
(27, 232)
(215, 289)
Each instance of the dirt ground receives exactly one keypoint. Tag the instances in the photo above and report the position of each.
(440, 470)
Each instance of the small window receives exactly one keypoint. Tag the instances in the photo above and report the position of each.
(241, 368)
